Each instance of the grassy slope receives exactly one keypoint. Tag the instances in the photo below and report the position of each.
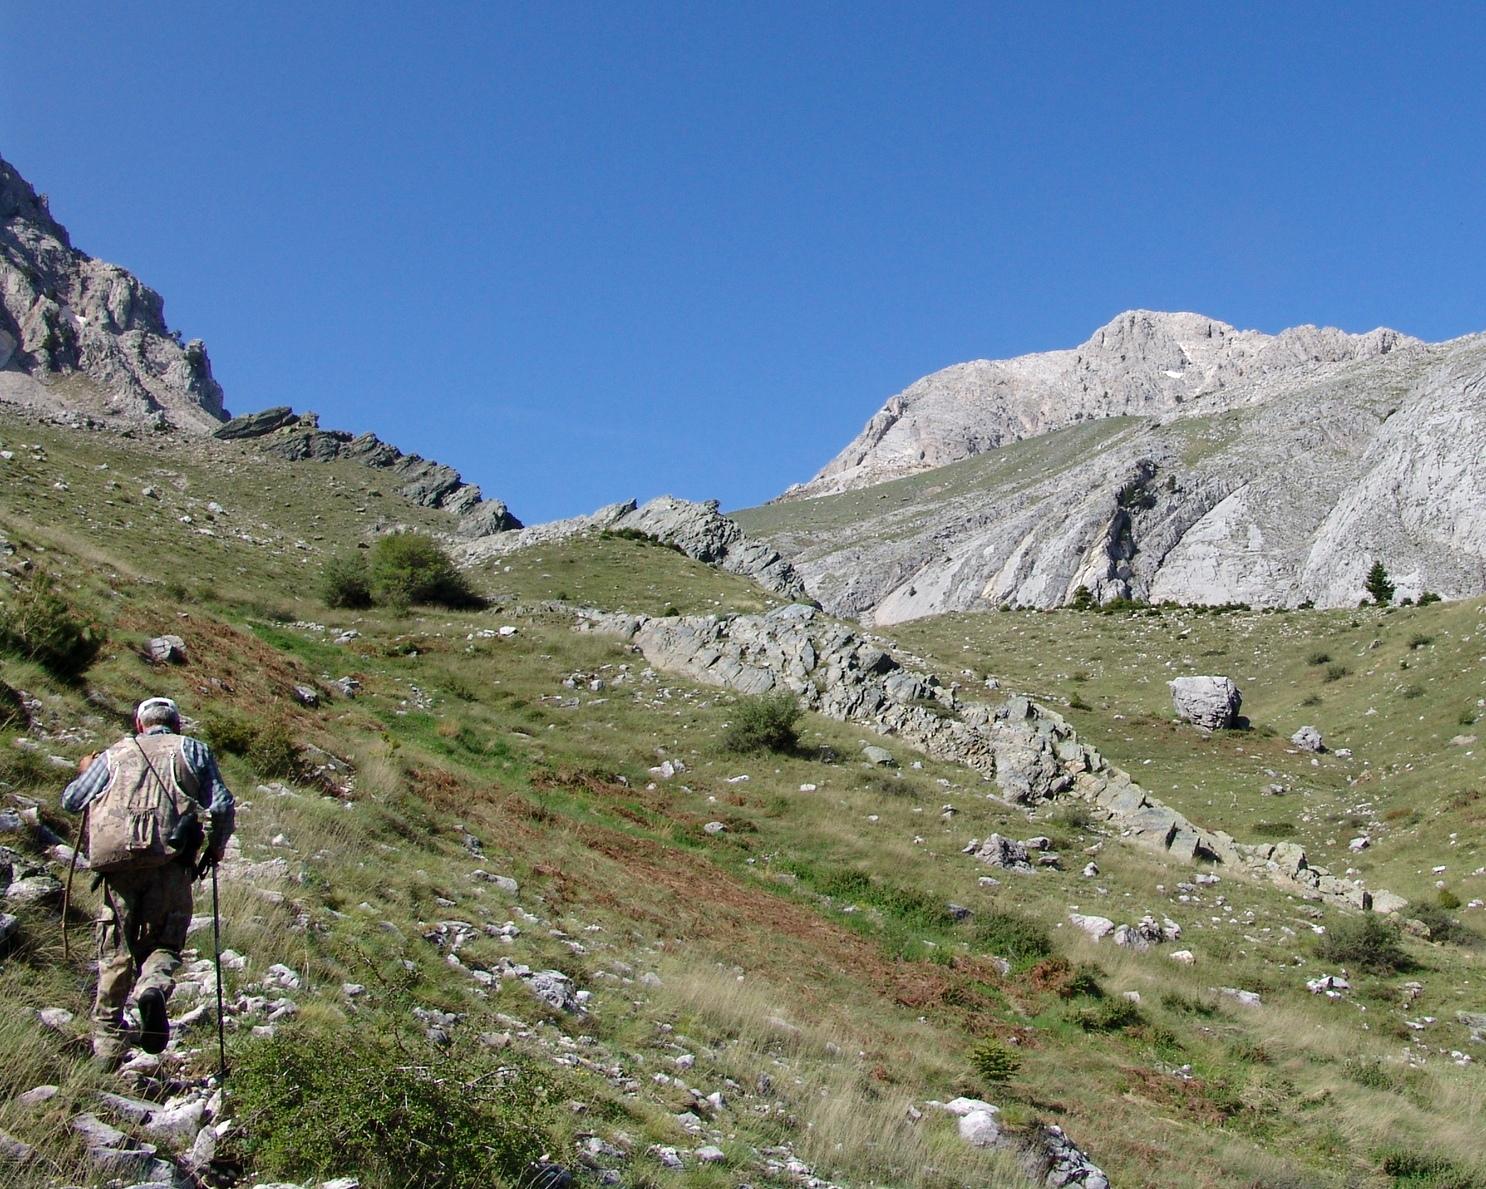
(903, 505)
(774, 958)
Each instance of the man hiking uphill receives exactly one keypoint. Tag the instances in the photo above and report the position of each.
(145, 798)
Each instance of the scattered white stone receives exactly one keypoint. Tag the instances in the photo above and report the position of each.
(1096, 927)
(979, 1129)
(1185, 957)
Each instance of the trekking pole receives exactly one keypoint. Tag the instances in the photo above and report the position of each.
(67, 892)
(217, 939)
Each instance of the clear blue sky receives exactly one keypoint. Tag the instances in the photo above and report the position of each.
(584, 252)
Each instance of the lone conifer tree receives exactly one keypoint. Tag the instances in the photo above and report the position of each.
(1378, 586)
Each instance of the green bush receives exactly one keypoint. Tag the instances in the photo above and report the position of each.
(409, 568)
(1409, 1167)
(1378, 585)
(225, 731)
(1083, 599)
(1372, 1074)
(272, 750)
(1016, 938)
(1367, 941)
(1420, 640)
(1109, 1015)
(1427, 598)
(1318, 658)
(1336, 672)
(345, 582)
(764, 722)
(1441, 925)
(40, 625)
(994, 1061)
(317, 1101)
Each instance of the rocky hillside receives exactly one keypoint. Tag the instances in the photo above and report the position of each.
(1141, 363)
(283, 433)
(1272, 492)
(77, 333)
(512, 871)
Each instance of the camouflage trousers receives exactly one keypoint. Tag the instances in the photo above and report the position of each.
(140, 930)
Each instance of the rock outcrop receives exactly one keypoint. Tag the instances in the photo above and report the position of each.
(82, 335)
(697, 529)
(297, 436)
(1031, 753)
(1270, 491)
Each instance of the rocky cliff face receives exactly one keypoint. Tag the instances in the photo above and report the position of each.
(1271, 492)
(77, 333)
(1141, 363)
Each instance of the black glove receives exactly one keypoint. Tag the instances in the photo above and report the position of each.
(211, 854)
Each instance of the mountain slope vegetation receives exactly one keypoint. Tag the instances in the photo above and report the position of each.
(509, 855)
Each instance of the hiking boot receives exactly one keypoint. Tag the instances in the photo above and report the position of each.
(154, 1023)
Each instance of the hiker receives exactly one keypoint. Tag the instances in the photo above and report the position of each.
(144, 798)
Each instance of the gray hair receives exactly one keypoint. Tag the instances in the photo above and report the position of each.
(154, 712)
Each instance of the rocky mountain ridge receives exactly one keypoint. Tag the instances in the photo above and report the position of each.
(1142, 362)
(1273, 493)
(282, 432)
(81, 334)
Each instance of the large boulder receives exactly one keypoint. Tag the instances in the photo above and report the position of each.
(1208, 702)
(1308, 739)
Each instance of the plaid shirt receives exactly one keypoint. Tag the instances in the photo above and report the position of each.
(214, 794)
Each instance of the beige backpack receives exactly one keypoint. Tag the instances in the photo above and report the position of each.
(150, 787)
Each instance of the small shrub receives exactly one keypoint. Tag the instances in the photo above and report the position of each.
(994, 1061)
(1426, 598)
(764, 722)
(1318, 658)
(1083, 599)
(272, 750)
(1075, 815)
(1311, 700)
(320, 1100)
(1467, 717)
(1378, 585)
(1426, 1168)
(1109, 1015)
(344, 582)
(225, 731)
(40, 625)
(1016, 938)
(1441, 925)
(1447, 899)
(1336, 672)
(1275, 829)
(1077, 703)
(1065, 979)
(1412, 691)
(1188, 1005)
(1367, 941)
(408, 568)
(1372, 1074)
(1420, 640)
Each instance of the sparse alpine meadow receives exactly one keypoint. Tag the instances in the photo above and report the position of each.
(506, 908)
